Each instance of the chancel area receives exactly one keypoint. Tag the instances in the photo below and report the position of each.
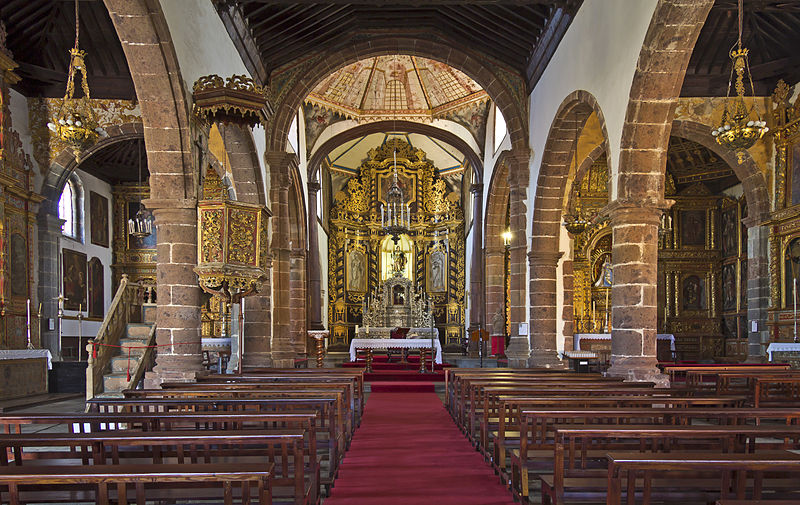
(360, 251)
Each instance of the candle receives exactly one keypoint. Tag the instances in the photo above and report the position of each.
(794, 299)
(382, 220)
(29, 323)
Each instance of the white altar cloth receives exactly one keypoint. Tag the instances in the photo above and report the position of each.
(576, 342)
(394, 343)
(782, 347)
(27, 354)
(214, 342)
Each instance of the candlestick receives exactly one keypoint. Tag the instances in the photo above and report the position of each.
(382, 220)
(607, 310)
(28, 325)
(794, 299)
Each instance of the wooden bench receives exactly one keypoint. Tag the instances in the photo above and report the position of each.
(579, 451)
(105, 484)
(730, 470)
(292, 479)
(773, 391)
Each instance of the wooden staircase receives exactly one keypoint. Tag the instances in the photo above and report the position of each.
(122, 351)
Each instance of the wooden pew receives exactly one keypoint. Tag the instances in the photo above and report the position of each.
(730, 470)
(113, 483)
(771, 391)
(284, 448)
(579, 451)
(678, 372)
(332, 431)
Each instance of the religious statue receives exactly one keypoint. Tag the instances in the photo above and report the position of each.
(437, 282)
(606, 277)
(399, 261)
(498, 323)
(356, 274)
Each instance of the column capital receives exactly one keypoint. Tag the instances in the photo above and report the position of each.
(544, 257)
(625, 211)
(314, 186)
(476, 189)
(154, 204)
(280, 159)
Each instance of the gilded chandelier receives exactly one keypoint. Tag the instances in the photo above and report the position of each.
(75, 123)
(740, 127)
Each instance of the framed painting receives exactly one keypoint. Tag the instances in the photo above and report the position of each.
(729, 293)
(18, 265)
(694, 293)
(437, 271)
(729, 237)
(693, 227)
(96, 288)
(356, 271)
(98, 215)
(74, 275)
(794, 167)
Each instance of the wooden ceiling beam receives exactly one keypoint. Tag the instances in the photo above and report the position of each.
(393, 3)
(237, 27)
(548, 41)
(501, 29)
(320, 23)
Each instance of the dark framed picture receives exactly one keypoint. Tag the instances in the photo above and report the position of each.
(98, 215)
(74, 272)
(96, 288)
(729, 237)
(693, 227)
(19, 265)
(795, 172)
(694, 293)
(729, 294)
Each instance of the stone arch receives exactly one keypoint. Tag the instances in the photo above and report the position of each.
(381, 126)
(174, 183)
(638, 191)
(551, 186)
(244, 167)
(748, 172)
(584, 166)
(510, 101)
(497, 208)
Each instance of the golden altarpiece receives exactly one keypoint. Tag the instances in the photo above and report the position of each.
(362, 255)
(699, 279)
(784, 223)
(19, 205)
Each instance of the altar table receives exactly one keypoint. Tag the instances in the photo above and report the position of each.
(782, 347)
(607, 336)
(23, 372)
(399, 343)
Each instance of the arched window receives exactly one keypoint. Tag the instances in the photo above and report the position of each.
(69, 209)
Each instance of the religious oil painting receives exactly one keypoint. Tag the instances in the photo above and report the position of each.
(729, 236)
(96, 288)
(743, 285)
(693, 227)
(148, 242)
(356, 271)
(19, 265)
(795, 173)
(729, 293)
(693, 293)
(74, 268)
(98, 214)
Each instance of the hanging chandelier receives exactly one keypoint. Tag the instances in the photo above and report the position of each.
(576, 223)
(396, 215)
(740, 128)
(140, 225)
(75, 123)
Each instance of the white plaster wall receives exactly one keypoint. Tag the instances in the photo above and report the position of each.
(598, 54)
(90, 183)
(489, 164)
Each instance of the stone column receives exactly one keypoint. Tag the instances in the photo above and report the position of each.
(179, 356)
(543, 265)
(298, 300)
(49, 278)
(518, 350)
(568, 310)
(634, 311)
(757, 289)
(477, 319)
(282, 349)
(314, 268)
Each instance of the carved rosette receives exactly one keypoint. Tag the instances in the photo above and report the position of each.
(237, 100)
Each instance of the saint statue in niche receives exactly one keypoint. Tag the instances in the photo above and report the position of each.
(437, 271)
(399, 261)
(398, 295)
(606, 276)
(729, 238)
(356, 278)
(729, 287)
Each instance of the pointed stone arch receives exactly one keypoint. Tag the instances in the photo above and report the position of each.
(495, 223)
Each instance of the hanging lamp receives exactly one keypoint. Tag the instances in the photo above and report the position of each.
(576, 223)
(140, 225)
(75, 123)
(740, 128)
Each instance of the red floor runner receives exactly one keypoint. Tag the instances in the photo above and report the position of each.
(402, 387)
(408, 452)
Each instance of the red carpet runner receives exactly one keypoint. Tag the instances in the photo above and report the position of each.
(408, 451)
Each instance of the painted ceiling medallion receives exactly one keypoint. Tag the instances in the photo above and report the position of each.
(397, 87)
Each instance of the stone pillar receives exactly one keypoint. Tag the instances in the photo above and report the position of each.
(179, 356)
(298, 300)
(543, 265)
(314, 269)
(258, 327)
(282, 349)
(758, 296)
(477, 319)
(518, 350)
(634, 311)
(49, 278)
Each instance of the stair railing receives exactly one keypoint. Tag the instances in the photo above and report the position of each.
(147, 361)
(126, 307)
